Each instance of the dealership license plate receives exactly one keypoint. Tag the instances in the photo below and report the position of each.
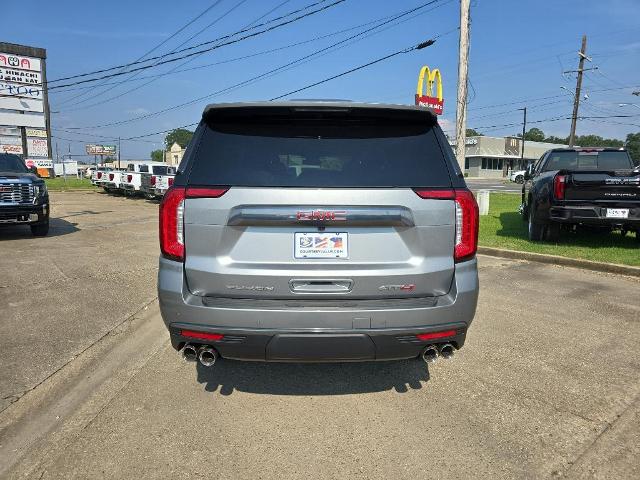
(617, 213)
(321, 245)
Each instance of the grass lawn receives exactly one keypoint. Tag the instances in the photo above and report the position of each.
(504, 228)
(72, 183)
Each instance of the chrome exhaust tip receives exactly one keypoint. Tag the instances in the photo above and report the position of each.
(430, 354)
(207, 356)
(447, 350)
(189, 352)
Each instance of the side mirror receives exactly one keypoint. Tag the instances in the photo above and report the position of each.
(528, 173)
(33, 170)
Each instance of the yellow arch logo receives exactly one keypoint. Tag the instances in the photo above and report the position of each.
(433, 77)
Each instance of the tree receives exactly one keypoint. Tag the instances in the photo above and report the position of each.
(157, 156)
(633, 146)
(534, 135)
(473, 133)
(181, 136)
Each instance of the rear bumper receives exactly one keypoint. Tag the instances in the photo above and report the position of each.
(24, 214)
(593, 215)
(129, 187)
(313, 334)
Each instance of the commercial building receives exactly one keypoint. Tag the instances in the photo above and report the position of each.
(496, 157)
(174, 155)
(24, 107)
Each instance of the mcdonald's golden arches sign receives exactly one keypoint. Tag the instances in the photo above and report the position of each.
(435, 103)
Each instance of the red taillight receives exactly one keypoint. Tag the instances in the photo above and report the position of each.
(559, 183)
(111, 177)
(206, 192)
(436, 194)
(171, 224)
(467, 219)
(99, 175)
(129, 178)
(153, 179)
(170, 181)
(435, 335)
(201, 335)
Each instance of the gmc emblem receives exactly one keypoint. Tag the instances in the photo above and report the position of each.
(321, 215)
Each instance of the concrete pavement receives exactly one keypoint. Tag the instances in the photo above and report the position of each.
(547, 386)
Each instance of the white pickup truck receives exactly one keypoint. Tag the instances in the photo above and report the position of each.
(155, 184)
(110, 180)
(97, 174)
(131, 180)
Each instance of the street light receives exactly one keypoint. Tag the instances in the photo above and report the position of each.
(629, 105)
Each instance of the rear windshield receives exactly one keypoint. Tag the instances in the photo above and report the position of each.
(318, 154)
(12, 164)
(161, 170)
(588, 160)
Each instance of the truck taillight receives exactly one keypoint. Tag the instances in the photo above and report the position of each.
(153, 179)
(129, 177)
(170, 181)
(467, 219)
(99, 175)
(111, 177)
(559, 183)
(172, 225)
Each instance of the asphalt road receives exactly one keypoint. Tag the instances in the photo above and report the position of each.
(547, 385)
(495, 185)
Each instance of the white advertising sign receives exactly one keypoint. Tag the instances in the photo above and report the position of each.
(17, 149)
(33, 132)
(13, 131)
(10, 140)
(39, 162)
(24, 104)
(17, 90)
(37, 147)
(17, 61)
(22, 119)
(20, 76)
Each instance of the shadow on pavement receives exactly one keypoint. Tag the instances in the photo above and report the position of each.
(57, 228)
(312, 378)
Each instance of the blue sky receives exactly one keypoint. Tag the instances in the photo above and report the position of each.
(519, 50)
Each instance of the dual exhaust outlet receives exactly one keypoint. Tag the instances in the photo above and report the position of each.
(431, 353)
(205, 354)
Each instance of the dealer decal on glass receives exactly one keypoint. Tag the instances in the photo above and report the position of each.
(321, 245)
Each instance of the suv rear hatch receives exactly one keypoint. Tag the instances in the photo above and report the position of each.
(315, 202)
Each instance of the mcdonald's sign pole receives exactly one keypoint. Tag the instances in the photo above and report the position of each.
(461, 104)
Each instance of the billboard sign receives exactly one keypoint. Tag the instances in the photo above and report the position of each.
(37, 147)
(9, 140)
(17, 90)
(434, 103)
(16, 61)
(20, 76)
(93, 149)
(24, 104)
(39, 162)
(12, 131)
(17, 149)
(22, 119)
(34, 132)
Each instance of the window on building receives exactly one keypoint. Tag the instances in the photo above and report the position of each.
(466, 164)
(492, 163)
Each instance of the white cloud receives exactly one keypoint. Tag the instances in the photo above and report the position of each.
(138, 111)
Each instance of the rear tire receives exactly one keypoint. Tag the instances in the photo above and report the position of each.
(536, 230)
(552, 233)
(40, 229)
(519, 179)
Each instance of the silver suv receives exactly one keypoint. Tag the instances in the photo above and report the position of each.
(318, 231)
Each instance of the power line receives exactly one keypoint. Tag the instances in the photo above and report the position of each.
(265, 74)
(420, 46)
(214, 41)
(153, 49)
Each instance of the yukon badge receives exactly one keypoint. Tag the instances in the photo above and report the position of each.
(255, 288)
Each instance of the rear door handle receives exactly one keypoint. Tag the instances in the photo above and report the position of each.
(320, 285)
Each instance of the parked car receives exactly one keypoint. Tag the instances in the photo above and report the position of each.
(131, 180)
(98, 174)
(157, 181)
(365, 251)
(517, 176)
(23, 196)
(581, 186)
(110, 181)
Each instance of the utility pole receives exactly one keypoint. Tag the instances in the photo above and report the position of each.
(576, 99)
(463, 69)
(524, 130)
(118, 153)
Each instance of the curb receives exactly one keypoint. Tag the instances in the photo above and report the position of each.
(558, 260)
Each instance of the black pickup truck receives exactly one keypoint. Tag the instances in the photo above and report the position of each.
(23, 196)
(597, 187)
